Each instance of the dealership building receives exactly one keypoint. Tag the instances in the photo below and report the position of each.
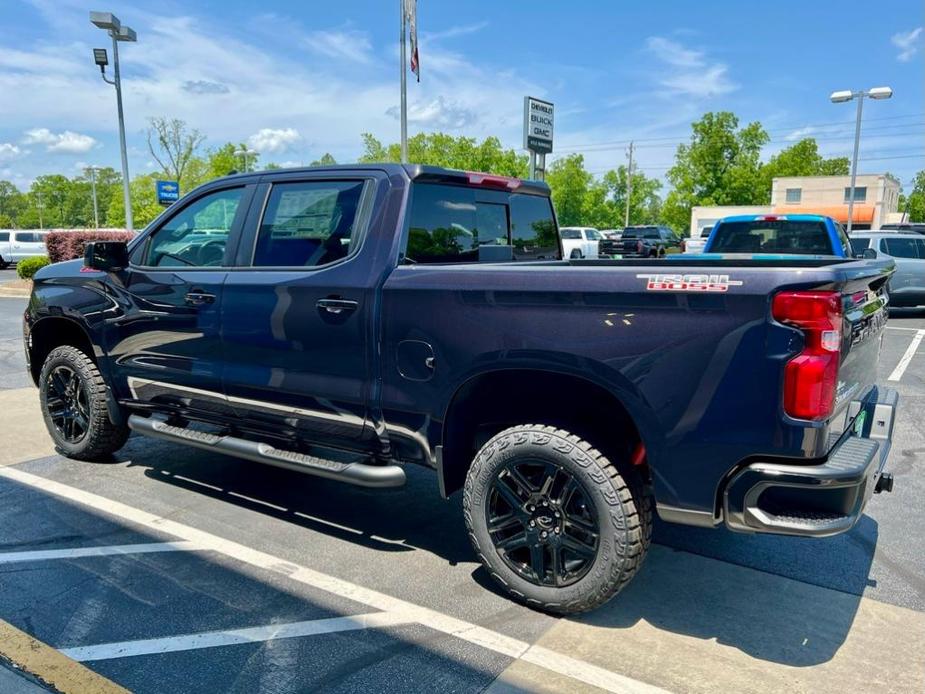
(876, 201)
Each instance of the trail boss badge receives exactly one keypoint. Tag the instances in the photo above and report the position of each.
(689, 283)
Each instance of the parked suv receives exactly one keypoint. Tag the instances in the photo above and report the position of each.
(16, 245)
(907, 249)
(649, 241)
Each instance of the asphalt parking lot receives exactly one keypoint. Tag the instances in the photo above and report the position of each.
(169, 569)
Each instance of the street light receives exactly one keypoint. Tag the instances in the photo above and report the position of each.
(111, 25)
(840, 98)
(96, 211)
(244, 153)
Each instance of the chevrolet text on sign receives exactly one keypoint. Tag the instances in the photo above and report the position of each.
(538, 125)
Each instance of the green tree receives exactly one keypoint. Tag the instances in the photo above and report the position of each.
(720, 166)
(10, 200)
(571, 188)
(441, 149)
(326, 160)
(173, 146)
(800, 159)
(913, 204)
(144, 203)
(6, 222)
(645, 205)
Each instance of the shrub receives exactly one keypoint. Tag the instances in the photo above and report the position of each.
(27, 267)
(66, 245)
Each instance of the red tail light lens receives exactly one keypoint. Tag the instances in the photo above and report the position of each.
(811, 377)
(639, 246)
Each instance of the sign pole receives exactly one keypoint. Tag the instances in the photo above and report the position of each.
(532, 165)
(404, 88)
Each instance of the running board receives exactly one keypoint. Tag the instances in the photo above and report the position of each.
(361, 474)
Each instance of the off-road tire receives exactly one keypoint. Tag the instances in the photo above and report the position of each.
(623, 510)
(102, 438)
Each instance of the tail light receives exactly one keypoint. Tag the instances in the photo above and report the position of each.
(639, 246)
(683, 246)
(811, 377)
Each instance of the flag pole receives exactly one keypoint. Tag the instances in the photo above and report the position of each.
(404, 89)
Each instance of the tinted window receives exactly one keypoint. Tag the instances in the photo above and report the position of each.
(449, 224)
(859, 245)
(28, 237)
(905, 248)
(533, 228)
(4, 236)
(651, 234)
(768, 236)
(570, 233)
(308, 223)
(197, 235)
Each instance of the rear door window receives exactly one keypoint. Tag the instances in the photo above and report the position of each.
(772, 236)
(456, 224)
(905, 248)
(308, 223)
(5, 236)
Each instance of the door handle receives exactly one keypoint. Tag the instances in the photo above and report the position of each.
(336, 306)
(197, 298)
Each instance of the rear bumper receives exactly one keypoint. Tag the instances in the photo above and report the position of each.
(817, 500)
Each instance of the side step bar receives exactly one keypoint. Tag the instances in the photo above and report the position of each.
(361, 474)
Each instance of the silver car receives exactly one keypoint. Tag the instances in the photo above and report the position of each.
(907, 286)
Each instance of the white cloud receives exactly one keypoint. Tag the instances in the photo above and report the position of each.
(274, 140)
(907, 42)
(687, 71)
(67, 142)
(438, 113)
(9, 151)
(800, 133)
(341, 45)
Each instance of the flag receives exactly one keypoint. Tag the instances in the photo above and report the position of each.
(411, 16)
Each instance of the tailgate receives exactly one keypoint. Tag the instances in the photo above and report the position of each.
(864, 299)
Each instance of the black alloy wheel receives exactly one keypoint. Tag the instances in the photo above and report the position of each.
(68, 403)
(540, 522)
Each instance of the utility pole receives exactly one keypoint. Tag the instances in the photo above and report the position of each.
(404, 88)
(96, 209)
(629, 186)
(40, 206)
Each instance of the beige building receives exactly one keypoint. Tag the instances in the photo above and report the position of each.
(876, 200)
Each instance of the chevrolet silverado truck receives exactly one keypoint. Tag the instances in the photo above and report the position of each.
(348, 322)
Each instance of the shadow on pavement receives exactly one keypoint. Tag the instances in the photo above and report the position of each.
(796, 609)
(765, 615)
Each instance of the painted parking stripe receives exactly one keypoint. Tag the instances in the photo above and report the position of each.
(107, 551)
(900, 327)
(467, 631)
(232, 637)
(907, 357)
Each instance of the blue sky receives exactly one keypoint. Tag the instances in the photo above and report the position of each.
(297, 79)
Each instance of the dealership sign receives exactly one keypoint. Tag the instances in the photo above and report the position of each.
(538, 124)
(168, 192)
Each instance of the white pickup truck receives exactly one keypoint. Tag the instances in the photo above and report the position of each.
(19, 244)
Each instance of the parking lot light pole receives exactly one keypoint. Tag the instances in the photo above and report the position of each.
(848, 95)
(96, 210)
(244, 153)
(111, 24)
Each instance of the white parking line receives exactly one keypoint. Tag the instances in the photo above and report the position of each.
(907, 357)
(109, 550)
(215, 639)
(480, 636)
(899, 327)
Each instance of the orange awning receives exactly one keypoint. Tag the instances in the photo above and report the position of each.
(863, 214)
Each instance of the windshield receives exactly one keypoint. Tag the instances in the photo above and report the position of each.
(772, 236)
(593, 235)
(631, 234)
(570, 233)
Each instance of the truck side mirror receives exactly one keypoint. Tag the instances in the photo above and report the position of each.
(106, 256)
(869, 254)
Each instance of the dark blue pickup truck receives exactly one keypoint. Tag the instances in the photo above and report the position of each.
(345, 322)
